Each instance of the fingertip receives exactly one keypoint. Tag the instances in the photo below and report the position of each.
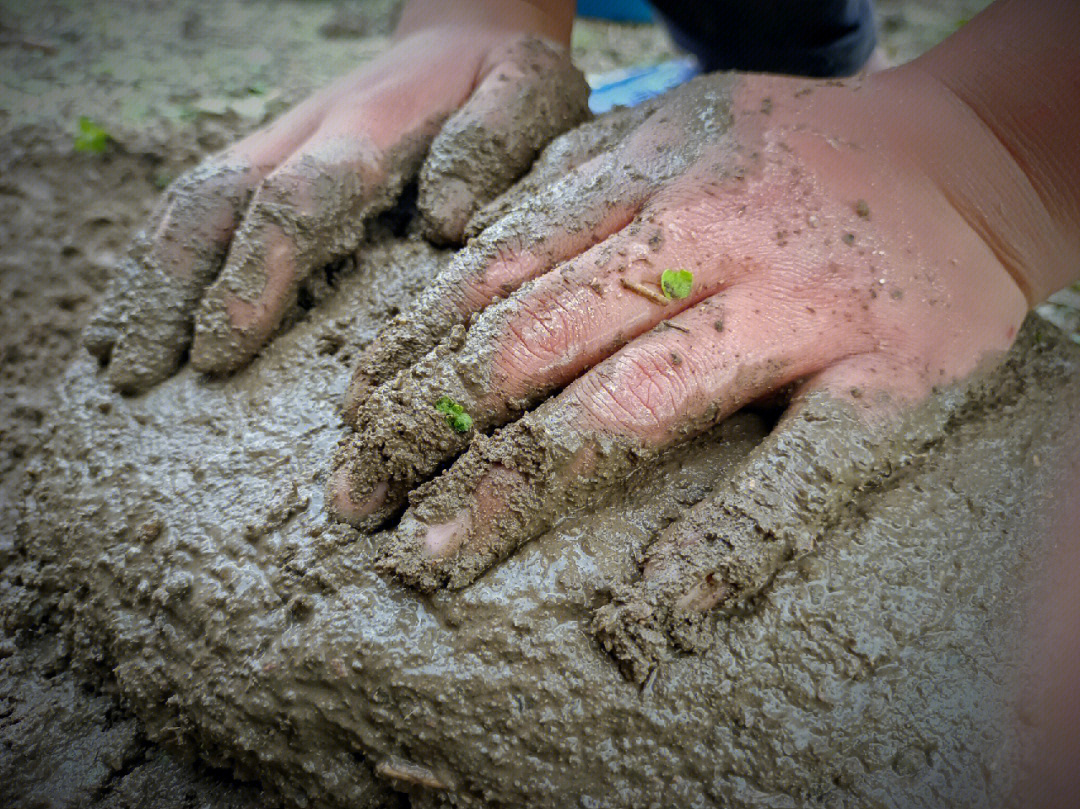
(344, 503)
(135, 365)
(216, 347)
(356, 393)
(446, 205)
(99, 339)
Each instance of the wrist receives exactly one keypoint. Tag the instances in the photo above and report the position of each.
(942, 139)
(991, 113)
(551, 19)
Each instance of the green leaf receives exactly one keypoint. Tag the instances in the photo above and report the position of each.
(677, 283)
(91, 139)
(460, 422)
(456, 417)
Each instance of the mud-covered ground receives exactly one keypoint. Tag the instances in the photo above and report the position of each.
(170, 82)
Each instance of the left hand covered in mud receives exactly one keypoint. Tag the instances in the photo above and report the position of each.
(464, 98)
(817, 259)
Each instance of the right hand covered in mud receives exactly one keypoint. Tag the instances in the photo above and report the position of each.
(744, 237)
(467, 95)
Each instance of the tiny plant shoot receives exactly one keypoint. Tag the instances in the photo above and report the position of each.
(677, 283)
(91, 139)
(456, 417)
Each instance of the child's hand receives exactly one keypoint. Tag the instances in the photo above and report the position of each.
(468, 106)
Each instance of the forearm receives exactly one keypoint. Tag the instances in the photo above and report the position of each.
(548, 18)
(1000, 103)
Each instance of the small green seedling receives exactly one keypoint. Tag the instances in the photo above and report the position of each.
(456, 417)
(677, 283)
(92, 139)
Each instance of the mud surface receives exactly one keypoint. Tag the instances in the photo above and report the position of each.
(66, 744)
(184, 536)
(158, 548)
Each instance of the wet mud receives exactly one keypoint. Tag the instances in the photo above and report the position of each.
(175, 547)
(183, 536)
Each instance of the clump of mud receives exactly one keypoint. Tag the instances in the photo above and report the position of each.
(184, 537)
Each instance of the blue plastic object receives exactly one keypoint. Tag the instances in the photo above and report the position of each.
(632, 85)
(616, 10)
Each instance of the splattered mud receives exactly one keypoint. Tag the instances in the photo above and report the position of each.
(175, 548)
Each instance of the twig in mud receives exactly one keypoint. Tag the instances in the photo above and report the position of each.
(667, 324)
(28, 44)
(409, 772)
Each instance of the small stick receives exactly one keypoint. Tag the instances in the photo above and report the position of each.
(28, 44)
(667, 324)
(409, 772)
(645, 292)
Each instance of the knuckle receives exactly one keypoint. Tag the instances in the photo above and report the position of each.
(543, 327)
(639, 390)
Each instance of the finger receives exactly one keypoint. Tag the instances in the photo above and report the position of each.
(530, 94)
(562, 222)
(515, 354)
(663, 387)
(307, 212)
(106, 324)
(597, 198)
(844, 433)
(144, 326)
(564, 154)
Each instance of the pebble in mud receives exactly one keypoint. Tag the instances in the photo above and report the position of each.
(814, 692)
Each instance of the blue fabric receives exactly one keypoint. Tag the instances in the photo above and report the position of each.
(616, 10)
(799, 37)
(630, 86)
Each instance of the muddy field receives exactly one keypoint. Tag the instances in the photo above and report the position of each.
(82, 655)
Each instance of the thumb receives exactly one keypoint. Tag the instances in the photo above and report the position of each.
(824, 455)
(531, 93)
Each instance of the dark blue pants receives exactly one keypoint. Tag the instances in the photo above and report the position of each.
(799, 37)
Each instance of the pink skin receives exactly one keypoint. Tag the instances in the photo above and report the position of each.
(473, 287)
(891, 313)
(380, 116)
(870, 239)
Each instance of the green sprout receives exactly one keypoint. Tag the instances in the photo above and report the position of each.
(91, 139)
(456, 417)
(677, 283)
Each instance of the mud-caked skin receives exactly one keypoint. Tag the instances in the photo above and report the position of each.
(464, 366)
(143, 328)
(817, 274)
(532, 96)
(218, 269)
(551, 214)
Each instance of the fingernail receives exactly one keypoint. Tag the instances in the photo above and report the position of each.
(215, 348)
(345, 506)
(705, 595)
(445, 539)
(355, 395)
(447, 206)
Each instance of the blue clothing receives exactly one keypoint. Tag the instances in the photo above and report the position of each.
(818, 38)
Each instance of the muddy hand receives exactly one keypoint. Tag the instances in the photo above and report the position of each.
(581, 192)
(831, 447)
(754, 235)
(232, 241)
